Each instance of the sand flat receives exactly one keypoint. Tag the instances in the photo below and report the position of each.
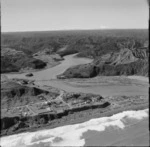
(99, 86)
(141, 78)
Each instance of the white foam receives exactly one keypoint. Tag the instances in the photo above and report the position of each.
(71, 134)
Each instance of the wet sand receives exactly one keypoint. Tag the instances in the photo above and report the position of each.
(103, 90)
(141, 78)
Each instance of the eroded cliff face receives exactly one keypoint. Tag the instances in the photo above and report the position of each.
(17, 98)
(10, 125)
(14, 94)
(21, 91)
(110, 106)
(129, 61)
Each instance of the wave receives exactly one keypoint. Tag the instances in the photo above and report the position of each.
(70, 134)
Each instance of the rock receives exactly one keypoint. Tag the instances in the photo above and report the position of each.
(61, 77)
(29, 75)
(80, 71)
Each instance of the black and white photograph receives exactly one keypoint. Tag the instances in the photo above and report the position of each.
(74, 73)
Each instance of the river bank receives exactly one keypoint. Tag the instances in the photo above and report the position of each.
(51, 73)
(103, 85)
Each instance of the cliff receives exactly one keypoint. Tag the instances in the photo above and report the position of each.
(128, 61)
(14, 94)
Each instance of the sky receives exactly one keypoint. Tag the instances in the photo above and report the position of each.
(43, 15)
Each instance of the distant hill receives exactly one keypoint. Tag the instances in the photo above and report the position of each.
(75, 40)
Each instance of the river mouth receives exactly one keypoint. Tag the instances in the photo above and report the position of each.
(103, 85)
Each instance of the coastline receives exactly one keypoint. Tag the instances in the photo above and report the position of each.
(75, 133)
(68, 121)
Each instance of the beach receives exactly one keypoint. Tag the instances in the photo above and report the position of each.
(125, 128)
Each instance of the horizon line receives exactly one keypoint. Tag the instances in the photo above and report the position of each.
(75, 30)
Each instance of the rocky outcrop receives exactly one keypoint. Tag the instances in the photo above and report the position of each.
(80, 71)
(125, 56)
(134, 68)
(128, 61)
(29, 74)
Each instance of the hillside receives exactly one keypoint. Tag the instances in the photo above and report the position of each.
(128, 61)
(88, 42)
(14, 61)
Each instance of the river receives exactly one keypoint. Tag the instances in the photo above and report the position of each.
(48, 77)
(51, 73)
